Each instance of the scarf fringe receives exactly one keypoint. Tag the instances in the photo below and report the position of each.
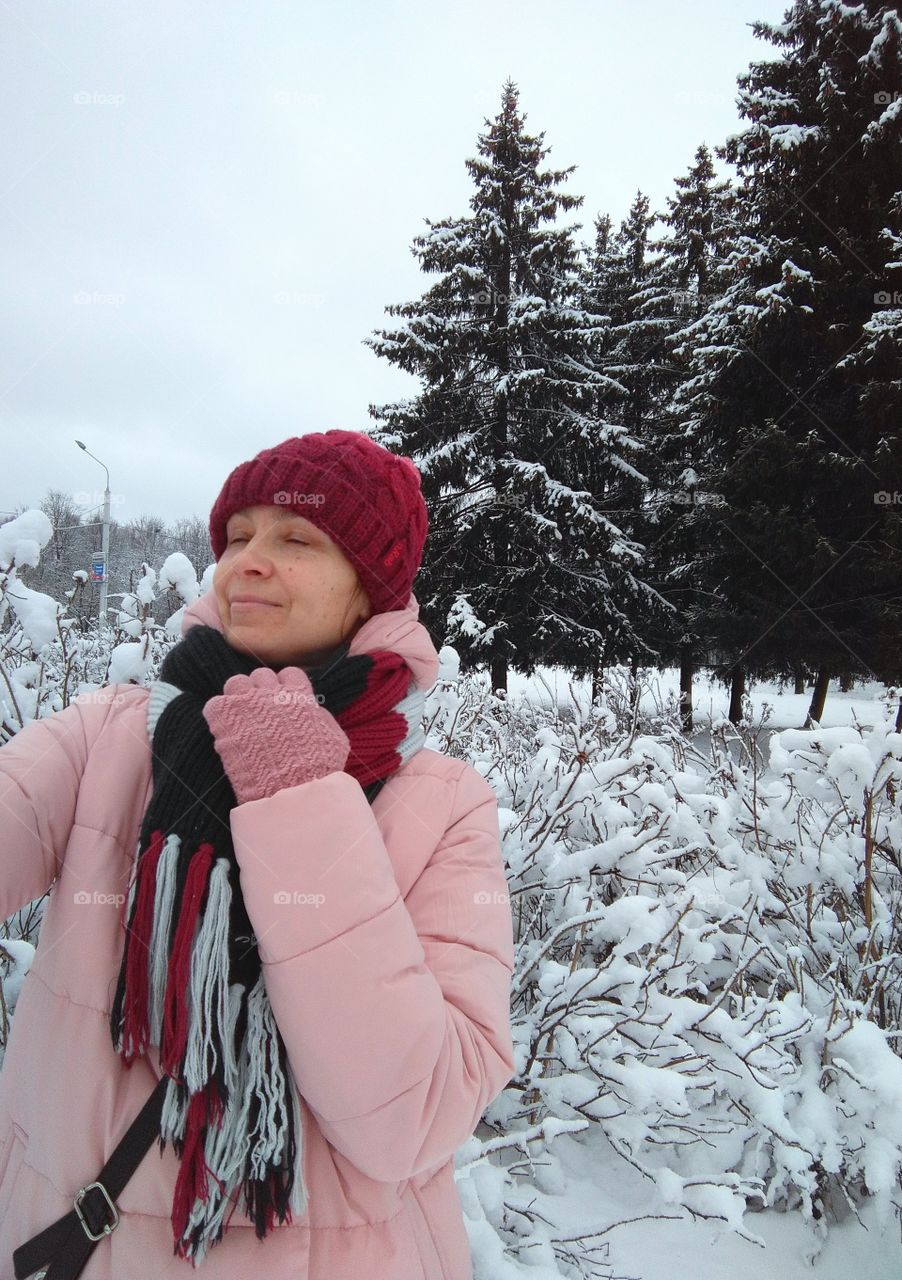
(259, 1160)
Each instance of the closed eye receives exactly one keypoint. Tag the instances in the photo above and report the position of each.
(239, 537)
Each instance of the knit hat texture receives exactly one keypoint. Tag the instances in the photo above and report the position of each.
(365, 498)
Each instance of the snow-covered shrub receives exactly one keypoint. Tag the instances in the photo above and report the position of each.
(708, 960)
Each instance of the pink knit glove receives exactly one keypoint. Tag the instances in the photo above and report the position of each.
(270, 732)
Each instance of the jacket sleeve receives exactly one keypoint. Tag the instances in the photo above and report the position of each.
(40, 772)
(395, 1012)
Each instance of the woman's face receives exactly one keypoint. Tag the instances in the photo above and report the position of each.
(314, 597)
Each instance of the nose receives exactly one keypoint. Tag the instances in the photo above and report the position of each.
(253, 557)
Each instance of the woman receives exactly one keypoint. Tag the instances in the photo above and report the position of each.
(311, 940)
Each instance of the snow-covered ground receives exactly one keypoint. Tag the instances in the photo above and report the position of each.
(600, 1189)
(711, 700)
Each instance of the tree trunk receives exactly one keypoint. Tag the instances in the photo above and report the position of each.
(634, 686)
(845, 682)
(500, 530)
(499, 677)
(737, 689)
(899, 718)
(800, 679)
(687, 668)
(818, 698)
(597, 680)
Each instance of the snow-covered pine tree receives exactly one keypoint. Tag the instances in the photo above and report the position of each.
(514, 425)
(877, 366)
(622, 281)
(794, 547)
(700, 218)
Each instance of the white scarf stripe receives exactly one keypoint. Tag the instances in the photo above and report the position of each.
(208, 981)
(159, 961)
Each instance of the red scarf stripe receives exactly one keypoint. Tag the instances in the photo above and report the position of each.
(387, 684)
(135, 1028)
(191, 1182)
(175, 1010)
(374, 729)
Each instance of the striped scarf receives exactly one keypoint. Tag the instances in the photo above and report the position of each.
(191, 981)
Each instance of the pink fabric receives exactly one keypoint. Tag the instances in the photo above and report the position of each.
(270, 732)
(388, 970)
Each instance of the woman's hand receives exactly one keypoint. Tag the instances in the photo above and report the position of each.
(270, 732)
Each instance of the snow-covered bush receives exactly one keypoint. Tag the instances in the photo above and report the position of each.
(708, 963)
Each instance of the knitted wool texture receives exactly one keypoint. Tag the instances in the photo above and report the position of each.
(365, 498)
(190, 981)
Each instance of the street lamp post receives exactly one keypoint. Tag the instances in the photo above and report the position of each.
(105, 545)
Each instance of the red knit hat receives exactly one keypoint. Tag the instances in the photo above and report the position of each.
(364, 497)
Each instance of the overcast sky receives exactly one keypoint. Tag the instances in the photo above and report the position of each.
(206, 207)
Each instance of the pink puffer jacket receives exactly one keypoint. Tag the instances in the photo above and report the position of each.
(392, 999)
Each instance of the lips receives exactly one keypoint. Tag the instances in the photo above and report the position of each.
(237, 607)
(252, 600)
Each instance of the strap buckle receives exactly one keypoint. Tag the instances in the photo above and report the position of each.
(108, 1227)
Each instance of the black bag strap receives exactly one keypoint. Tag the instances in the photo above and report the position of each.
(63, 1248)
